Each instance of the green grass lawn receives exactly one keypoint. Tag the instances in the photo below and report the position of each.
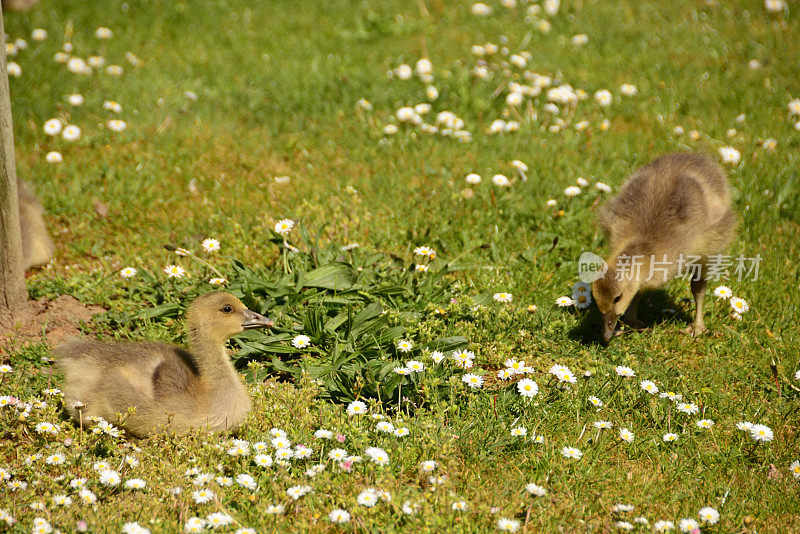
(241, 114)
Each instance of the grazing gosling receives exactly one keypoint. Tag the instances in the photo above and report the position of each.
(166, 384)
(674, 209)
(37, 248)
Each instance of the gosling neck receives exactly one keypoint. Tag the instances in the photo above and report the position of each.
(210, 356)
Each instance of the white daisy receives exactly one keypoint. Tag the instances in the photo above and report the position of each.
(275, 509)
(174, 271)
(415, 366)
(404, 345)
(649, 386)
(723, 292)
(603, 97)
(356, 408)
(503, 297)
(602, 186)
(738, 305)
(103, 33)
(377, 455)
(194, 525)
(112, 106)
(774, 6)
(263, 460)
(761, 433)
(71, 133)
(472, 380)
(339, 516)
(708, 515)
(663, 526)
(135, 483)
(128, 272)
(52, 127)
(536, 490)
(527, 388)
(705, 424)
(795, 469)
(109, 477)
(459, 506)
(500, 180)
(624, 371)
(508, 525)
(626, 435)
(581, 295)
(428, 466)
(53, 157)
(338, 455)
(301, 341)
(729, 155)
(295, 492)
(284, 226)
(479, 9)
(564, 302)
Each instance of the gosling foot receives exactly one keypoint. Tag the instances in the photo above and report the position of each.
(695, 330)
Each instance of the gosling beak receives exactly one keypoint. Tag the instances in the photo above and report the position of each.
(252, 319)
(609, 325)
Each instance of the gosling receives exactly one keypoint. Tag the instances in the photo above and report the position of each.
(37, 247)
(169, 387)
(670, 216)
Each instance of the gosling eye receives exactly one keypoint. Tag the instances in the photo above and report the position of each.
(226, 309)
(617, 298)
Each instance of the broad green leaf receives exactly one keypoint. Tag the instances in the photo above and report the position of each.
(336, 276)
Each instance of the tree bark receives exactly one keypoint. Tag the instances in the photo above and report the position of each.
(13, 293)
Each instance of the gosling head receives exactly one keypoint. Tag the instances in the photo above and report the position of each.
(613, 295)
(219, 315)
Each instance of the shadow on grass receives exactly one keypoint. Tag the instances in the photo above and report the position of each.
(654, 309)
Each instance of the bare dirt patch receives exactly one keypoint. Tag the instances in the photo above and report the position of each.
(43, 320)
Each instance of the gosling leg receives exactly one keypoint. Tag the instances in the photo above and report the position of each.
(632, 313)
(699, 292)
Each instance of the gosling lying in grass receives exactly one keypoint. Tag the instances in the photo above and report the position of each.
(667, 212)
(167, 385)
(37, 248)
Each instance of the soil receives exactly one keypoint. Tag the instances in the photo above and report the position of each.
(45, 321)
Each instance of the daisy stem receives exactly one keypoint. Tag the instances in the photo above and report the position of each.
(204, 262)
(468, 251)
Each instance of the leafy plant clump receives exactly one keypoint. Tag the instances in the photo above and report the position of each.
(353, 306)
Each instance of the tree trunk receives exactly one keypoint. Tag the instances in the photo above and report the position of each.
(12, 276)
